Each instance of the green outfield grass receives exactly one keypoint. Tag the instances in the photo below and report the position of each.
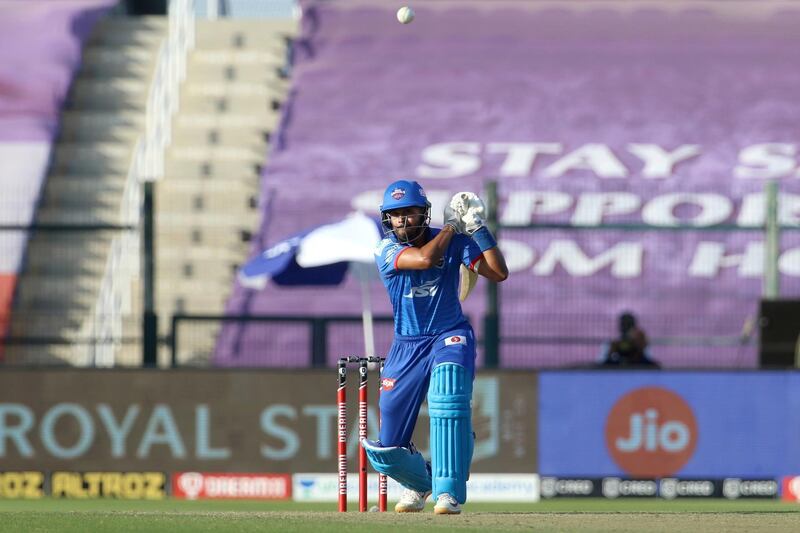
(554, 515)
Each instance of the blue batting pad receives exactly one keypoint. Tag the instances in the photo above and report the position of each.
(406, 466)
(452, 441)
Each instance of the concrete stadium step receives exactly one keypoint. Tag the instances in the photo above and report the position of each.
(239, 33)
(87, 126)
(68, 255)
(129, 31)
(191, 302)
(236, 89)
(66, 354)
(205, 200)
(53, 291)
(175, 283)
(82, 354)
(240, 137)
(206, 269)
(207, 187)
(247, 219)
(199, 103)
(60, 324)
(275, 54)
(91, 158)
(244, 154)
(110, 94)
(271, 75)
(118, 61)
(237, 239)
(212, 170)
(100, 214)
(64, 192)
(257, 121)
(195, 254)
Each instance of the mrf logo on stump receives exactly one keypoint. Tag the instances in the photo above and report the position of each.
(651, 432)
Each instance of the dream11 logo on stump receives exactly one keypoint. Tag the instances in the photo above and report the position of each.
(651, 432)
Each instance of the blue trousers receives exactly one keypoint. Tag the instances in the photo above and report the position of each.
(407, 373)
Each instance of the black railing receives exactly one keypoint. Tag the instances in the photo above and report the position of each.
(202, 346)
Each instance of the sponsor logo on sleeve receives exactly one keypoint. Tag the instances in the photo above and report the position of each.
(455, 339)
(387, 384)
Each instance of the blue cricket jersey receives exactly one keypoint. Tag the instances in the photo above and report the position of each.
(425, 302)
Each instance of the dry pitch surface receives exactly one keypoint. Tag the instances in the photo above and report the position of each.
(564, 515)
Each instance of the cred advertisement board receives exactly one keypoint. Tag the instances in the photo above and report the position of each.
(226, 421)
(646, 424)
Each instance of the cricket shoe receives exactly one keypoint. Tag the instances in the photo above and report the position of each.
(446, 504)
(411, 501)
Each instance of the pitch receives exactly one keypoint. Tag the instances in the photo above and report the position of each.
(559, 515)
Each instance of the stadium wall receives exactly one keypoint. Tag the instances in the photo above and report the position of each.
(137, 434)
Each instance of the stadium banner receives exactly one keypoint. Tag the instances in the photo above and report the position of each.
(584, 115)
(204, 420)
(687, 425)
(119, 485)
(27, 485)
(323, 487)
(790, 489)
(230, 486)
(666, 488)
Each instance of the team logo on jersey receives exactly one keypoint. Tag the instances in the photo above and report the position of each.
(398, 193)
(455, 339)
(387, 384)
(429, 288)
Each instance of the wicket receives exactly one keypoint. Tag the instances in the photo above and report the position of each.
(341, 399)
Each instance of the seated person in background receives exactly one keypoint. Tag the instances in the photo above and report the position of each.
(630, 348)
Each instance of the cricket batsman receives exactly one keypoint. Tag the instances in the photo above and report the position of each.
(433, 352)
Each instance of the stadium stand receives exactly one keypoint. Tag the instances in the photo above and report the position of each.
(78, 299)
(61, 269)
(557, 99)
(207, 204)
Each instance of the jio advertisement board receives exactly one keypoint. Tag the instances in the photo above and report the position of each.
(687, 425)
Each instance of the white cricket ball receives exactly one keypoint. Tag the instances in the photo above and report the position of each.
(405, 15)
(374, 509)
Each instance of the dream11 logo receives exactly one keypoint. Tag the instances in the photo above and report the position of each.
(651, 432)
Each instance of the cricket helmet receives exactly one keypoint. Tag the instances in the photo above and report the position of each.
(404, 193)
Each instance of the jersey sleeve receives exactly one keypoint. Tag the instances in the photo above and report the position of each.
(386, 255)
(471, 253)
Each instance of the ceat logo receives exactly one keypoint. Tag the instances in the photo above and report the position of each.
(387, 384)
(651, 432)
(398, 193)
